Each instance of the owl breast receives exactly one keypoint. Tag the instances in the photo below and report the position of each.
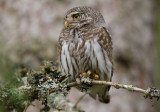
(80, 54)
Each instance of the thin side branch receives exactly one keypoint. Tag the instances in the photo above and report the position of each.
(80, 99)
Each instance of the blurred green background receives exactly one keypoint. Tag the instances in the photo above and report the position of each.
(29, 32)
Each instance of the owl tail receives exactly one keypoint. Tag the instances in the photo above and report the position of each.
(103, 95)
(105, 98)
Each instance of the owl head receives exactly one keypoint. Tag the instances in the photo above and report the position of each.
(80, 16)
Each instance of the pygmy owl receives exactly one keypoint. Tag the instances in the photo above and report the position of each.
(85, 44)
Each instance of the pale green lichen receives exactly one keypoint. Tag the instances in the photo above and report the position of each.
(48, 83)
(152, 93)
(130, 88)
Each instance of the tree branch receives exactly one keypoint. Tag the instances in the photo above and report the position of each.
(51, 87)
(150, 92)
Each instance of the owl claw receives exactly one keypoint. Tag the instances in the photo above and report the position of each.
(83, 74)
(96, 76)
(89, 74)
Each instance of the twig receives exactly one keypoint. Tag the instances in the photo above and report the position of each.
(75, 106)
(117, 86)
(150, 92)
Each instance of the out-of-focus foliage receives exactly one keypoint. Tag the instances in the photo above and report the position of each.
(12, 98)
(7, 70)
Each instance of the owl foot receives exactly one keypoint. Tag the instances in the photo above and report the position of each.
(85, 80)
(89, 74)
(85, 83)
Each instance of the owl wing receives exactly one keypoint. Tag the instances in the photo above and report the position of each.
(105, 42)
(102, 47)
(102, 52)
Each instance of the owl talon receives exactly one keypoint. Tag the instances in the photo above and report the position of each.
(89, 74)
(96, 76)
(83, 74)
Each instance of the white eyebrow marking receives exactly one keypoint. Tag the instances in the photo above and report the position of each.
(74, 13)
(69, 16)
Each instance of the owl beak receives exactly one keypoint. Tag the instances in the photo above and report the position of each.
(66, 24)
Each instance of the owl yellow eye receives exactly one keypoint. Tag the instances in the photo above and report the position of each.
(76, 16)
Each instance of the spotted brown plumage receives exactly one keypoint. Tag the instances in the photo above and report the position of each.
(85, 44)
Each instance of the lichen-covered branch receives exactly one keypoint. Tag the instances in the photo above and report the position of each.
(47, 84)
(51, 87)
